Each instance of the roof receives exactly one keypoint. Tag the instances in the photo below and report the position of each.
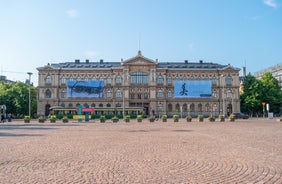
(139, 59)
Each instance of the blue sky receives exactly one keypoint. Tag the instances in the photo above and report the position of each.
(237, 32)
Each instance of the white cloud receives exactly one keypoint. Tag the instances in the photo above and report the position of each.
(271, 3)
(72, 13)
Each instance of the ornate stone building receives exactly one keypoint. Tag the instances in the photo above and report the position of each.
(142, 82)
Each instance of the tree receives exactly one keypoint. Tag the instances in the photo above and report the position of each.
(251, 97)
(257, 91)
(16, 96)
(272, 93)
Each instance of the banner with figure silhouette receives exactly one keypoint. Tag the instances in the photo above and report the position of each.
(193, 89)
(85, 89)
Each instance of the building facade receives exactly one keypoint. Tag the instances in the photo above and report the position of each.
(276, 72)
(142, 82)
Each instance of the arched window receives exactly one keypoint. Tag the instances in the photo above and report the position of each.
(160, 80)
(109, 94)
(160, 94)
(214, 81)
(200, 107)
(100, 105)
(48, 93)
(78, 78)
(92, 105)
(109, 80)
(118, 94)
(169, 94)
(184, 108)
(177, 107)
(192, 107)
(70, 105)
(48, 79)
(63, 80)
(118, 79)
(228, 80)
(108, 105)
(214, 108)
(169, 80)
(229, 93)
(86, 105)
(207, 108)
(169, 107)
(214, 93)
(63, 94)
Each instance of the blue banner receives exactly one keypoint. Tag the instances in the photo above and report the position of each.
(85, 89)
(193, 89)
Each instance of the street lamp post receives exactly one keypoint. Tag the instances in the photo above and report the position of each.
(29, 73)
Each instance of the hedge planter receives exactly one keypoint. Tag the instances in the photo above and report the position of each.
(102, 119)
(27, 119)
(188, 118)
(175, 118)
(65, 120)
(221, 118)
(139, 118)
(41, 119)
(151, 119)
(201, 118)
(127, 119)
(211, 119)
(232, 117)
(164, 118)
(115, 119)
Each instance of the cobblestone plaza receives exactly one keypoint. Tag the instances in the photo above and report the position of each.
(244, 151)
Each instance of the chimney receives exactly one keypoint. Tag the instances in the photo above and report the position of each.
(77, 61)
(186, 61)
(87, 61)
(201, 61)
(101, 61)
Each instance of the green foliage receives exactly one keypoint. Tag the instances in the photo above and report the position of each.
(26, 118)
(16, 97)
(41, 119)
(200, 117)
(175, 117)
(164, 117)
(188, 118)
(65, 119)
(152, 118)
(211, 118)
(232, 117)
(139, 117)
(221, 116)
(257, 91)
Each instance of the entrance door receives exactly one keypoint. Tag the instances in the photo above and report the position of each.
(229, 109)
(47, 109)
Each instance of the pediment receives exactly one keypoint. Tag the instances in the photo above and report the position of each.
(46, 67)
(139, 60)
(231, 68)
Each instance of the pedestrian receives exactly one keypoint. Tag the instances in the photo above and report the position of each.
(2, 118)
